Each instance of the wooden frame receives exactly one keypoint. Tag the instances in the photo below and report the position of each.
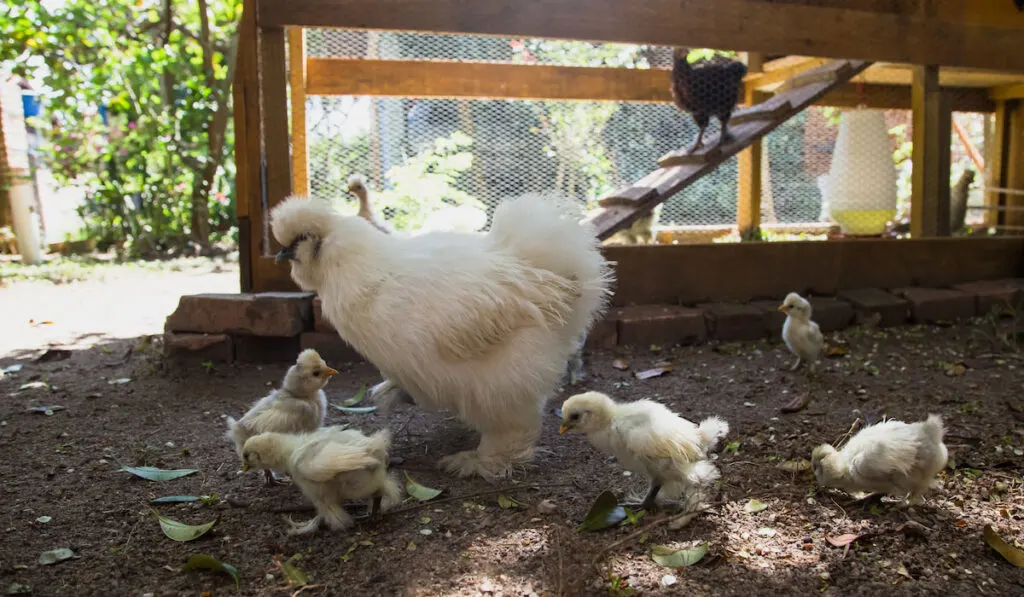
(271, 161)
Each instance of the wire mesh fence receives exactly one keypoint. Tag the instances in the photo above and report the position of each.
(428, 160)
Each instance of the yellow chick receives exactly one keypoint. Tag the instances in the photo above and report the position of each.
(298, 406)
(892, 457)
(330, 465)
(648, 438)
(802, 336)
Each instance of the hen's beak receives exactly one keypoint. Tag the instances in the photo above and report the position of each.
(783, 308)
(245, 467)
(562, 429)
(328, 372)
(285, 253)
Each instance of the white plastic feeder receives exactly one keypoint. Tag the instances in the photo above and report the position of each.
(862, 183)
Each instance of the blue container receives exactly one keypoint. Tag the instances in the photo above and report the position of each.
(30, 104)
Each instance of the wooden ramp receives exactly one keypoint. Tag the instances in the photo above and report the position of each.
(678, 170)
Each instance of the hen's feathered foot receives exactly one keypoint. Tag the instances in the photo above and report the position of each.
(303, 528)
(387, 394)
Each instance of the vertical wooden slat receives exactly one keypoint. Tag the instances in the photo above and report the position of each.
(748, 192)
(995, 172)
(1015, 166)
(248, 191)
(932, 135)
(297, 83)
(276, 157)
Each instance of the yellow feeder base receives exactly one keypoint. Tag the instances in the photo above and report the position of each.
(867, 222)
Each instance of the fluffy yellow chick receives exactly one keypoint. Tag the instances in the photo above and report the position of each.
(892, 457)
(330, 466)
(298, 406)
(648, 438)
(802, 336)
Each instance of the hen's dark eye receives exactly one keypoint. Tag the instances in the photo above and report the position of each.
(574, 417)
(316, 373)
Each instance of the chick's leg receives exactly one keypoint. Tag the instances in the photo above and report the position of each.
(796, 365)
(650, 501)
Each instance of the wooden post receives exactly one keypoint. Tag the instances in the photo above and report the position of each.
(932, 135)
(297, 83)
(1014, 166)
(748, 192)
(995, 173)
(248, 135)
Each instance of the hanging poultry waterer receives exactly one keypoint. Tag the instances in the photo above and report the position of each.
(862, 183)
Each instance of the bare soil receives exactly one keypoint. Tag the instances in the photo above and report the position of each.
(65, 467)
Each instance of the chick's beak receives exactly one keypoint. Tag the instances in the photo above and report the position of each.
(284, 254)
(245, 467)
(783, 308)
(562, 429)
(328, 372)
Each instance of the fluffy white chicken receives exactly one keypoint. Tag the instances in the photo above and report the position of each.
(455, 218)
(802, 336)
(357, 187)
(892, 457)
(331, 465)
(299, 405)
(479, 324)
(648, 438)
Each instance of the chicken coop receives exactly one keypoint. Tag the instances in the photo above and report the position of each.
(876, 144)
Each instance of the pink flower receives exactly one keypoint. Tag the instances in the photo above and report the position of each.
(131, 125)
(221, 198)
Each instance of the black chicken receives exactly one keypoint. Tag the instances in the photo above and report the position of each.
(706, 90)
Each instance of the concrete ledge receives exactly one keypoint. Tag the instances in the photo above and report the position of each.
(932, 305)
(730, 322)
(994, 295)
(869, 301)
(661, 324)
(831, 314)
(281, 314)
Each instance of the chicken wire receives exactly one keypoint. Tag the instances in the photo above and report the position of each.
(423, 155)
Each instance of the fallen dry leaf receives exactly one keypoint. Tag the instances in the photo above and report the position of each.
(843, 540)
(649, 373)
(834, 351)
(620, 364)
(797, 404)
(1010, 553)
(955, 369)
(902, 571)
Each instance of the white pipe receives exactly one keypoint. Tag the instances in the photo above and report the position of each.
(26, 223)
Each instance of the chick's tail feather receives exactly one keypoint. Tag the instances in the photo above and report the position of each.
(712, 429)
(236, 433)
(934, 428)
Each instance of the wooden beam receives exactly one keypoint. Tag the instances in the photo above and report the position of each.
(420, 78)
(929, 202)
(246, 101)
(416, 78)
(945, 32)
(276, 156)
(297, 86)
(1007, 92)
(748, 180)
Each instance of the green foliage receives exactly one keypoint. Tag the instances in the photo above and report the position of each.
(154, 172)
(428, 182)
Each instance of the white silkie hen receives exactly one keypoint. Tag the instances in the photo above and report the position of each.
(298, 406)
(331, 465)
(802, 336)
(479, 324)
(892, 457)
(648, 438)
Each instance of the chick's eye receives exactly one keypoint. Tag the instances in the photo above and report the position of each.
(574, 417)
(316, 373)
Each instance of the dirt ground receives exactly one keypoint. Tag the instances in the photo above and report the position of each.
(65, 467)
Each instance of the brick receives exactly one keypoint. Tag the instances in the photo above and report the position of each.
(994, 295)
(868, 301)
(730, 322)
(319, 323)
(831, 314)
(282, 314)
(771, 317)
(330, 346)
(931, 305)
(198, 348)
(265, 349)
(661, 324)
(603, 334)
